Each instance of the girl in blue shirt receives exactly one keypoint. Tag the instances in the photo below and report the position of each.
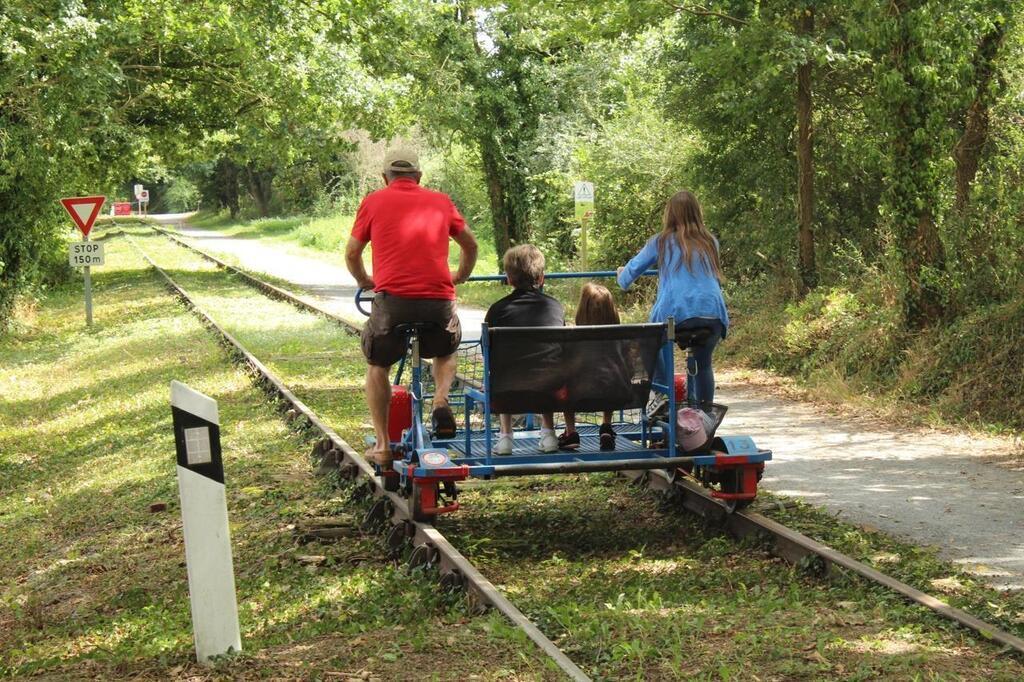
(689, 274)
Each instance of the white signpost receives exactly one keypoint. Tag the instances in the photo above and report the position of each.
(583, 193)
(142, 196)
(204, 520)
(83, 211)
(85, 253)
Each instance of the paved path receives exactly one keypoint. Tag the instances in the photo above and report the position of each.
(332, 285)
(930, 488)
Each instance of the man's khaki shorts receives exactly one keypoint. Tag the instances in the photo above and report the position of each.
(383, 346)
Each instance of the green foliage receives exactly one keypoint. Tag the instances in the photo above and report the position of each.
(968, 369)
(854, 332)
(181, 196)
(281, 108)
(734, 84)
(455, 170)
(637, 161)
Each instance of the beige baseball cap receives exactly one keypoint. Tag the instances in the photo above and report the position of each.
(401, 160)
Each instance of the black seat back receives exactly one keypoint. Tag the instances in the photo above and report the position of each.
(577, 369)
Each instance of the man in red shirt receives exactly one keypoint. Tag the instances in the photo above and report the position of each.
(409, 227)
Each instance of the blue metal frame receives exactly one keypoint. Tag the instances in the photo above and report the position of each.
(560, 275)
(417, 443)
(485, 466)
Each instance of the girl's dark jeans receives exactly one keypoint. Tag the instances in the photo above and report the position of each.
(700, 382)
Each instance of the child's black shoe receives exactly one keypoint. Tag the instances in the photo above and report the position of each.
(569, 441)
(607, 437)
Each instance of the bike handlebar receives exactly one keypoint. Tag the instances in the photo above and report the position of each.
(360, 299)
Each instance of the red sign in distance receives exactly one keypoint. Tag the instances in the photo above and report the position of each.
(83, 210)
(122, 208)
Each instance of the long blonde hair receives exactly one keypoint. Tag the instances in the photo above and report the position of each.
(596, 306)
(684, 221)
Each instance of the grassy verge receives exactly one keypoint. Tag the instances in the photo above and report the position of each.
(636, 590)
(631, 590)
(94, 583)
(847, 345)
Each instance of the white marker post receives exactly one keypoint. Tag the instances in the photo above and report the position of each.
(83, 211)
(204, 516)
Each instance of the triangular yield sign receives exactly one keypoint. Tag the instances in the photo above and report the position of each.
(83, 210)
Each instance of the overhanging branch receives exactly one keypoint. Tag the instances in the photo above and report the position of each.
(698, 10)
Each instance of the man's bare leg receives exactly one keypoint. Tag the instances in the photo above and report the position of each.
(444, 374)
(378, 397)
(548, 421)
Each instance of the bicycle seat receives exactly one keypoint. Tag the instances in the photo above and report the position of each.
(693, 336)
(411, 328)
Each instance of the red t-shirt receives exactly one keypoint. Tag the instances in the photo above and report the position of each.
(408, 227)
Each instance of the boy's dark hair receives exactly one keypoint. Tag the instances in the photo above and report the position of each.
(524, 266)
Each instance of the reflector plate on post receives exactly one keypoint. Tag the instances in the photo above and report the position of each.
(204, 516)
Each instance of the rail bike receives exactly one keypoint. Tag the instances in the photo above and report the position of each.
(585, 370)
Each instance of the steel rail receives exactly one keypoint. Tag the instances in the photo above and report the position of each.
(437, 548)
(268, 288)
(795, 547)
(785, 543)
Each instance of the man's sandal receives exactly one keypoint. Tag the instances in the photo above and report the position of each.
(443, 422)
(381, 459)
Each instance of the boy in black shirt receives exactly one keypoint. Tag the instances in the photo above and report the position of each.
(527, 306)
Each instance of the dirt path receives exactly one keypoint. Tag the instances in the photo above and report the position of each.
(928, 487)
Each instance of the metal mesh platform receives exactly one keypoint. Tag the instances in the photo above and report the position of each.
(527, 443)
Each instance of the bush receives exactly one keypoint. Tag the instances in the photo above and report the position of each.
(974, 366)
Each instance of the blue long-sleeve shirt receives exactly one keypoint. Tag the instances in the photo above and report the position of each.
(682, 293)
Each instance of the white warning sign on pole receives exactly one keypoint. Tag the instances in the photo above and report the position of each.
(583, 193)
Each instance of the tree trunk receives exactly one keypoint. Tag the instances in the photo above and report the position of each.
(496, 193)
(924, 256)
(507, 191)
(914, 192)
(226, 183)
(805, 163)
(967, 151)
(260, 187)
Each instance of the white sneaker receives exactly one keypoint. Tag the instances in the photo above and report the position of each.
(504, 446)
(548, 442)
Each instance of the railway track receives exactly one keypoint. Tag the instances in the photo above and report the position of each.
(782, 542)
(430, 547)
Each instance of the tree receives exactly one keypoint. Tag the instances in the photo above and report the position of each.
(758, 84)
(923, 75)
(974, 123)
(805, 155)
(88, 90)
(481, 72)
